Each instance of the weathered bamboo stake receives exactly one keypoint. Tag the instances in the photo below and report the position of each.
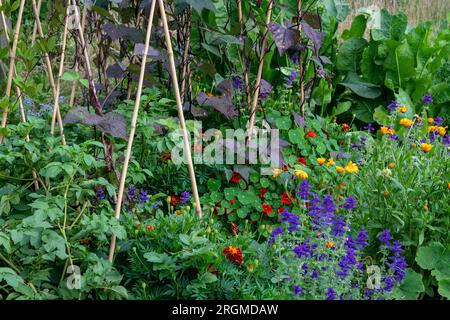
(74, 84)
(186, 54)
(244, 62)
(49, 70)
(33, 38)
(12, 61)
(133, 128)
(19, 97)
(259, 74)
(173, 71)
(60, 72)
(300, 58)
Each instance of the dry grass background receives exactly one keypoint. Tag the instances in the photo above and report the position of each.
(416, 10)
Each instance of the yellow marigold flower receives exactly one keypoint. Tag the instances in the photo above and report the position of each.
(386, 130)
(351, 167)
(340, 169)
(392, 164)
(402, 109)
(329, 244)
(330, 162)
(426, 147)
(406, 122)
(276, 172)
(321, 161)
(430, 120)
(301, 174)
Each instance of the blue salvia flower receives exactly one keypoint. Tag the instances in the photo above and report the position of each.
(427, 99)
(184, 197)
(143, 197)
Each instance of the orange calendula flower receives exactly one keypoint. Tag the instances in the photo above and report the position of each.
(386, 130)
(392, 164)
(340, 169)
(330, 162)
(430, 120)
(426, 147)
(276, 172)
(442, 130)
(406, 122)
(329, 244)
(402, 109)
(351, 167)
(321, 161)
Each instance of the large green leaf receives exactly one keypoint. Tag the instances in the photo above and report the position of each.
(411, 287)
(400, 64)
(391, 26)
(350, 53)
(362, 89)
(357, 29)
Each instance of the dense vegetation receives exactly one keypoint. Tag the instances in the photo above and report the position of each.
(357, 209)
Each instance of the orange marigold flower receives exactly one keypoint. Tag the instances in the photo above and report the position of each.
(150, 228)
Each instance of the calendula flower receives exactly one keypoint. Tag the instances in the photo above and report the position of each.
(276, 172)
(402, 109)
(321, 161)
(387, 130)
(329, 244)
(426, 147)
(330, 162)
(406, 122)
(392, 164)
(442, 130)
(351, 167)
(340, 169)
(301, 174)
(430, 120)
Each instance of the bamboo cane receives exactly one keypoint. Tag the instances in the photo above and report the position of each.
(300, 62)
(186, 54)
(74, 84)
(259, 74)
(12, 60)
(19, 97)
(33, 38)
(173, 72)
(60, 72)
(244, 63)
(49, 70)
(133, 128)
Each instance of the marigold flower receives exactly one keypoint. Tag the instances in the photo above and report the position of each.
(267, 208)
(430, 120)
(406, 122)
(330, 162)
(442, 130)
(310, 134)
(234, 254)
(301, 174)
(402, 109)
(351, 167)
(392, 164)
(276, 172)
(174, 200)
(321, 161)
(150, 228)
(426, 147)
(329, 244)
(345, 127)
(340, 169)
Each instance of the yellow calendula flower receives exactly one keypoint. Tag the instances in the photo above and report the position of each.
(340, 169)
(330, 162)
(301, 174)
(321, 161)
(392, 164)
(406, 122)
(276, 172)
(430, 120)
(351, 167)
(402, 109)
(442, 130)
(386, 130)
(426, 147)
(329, 244)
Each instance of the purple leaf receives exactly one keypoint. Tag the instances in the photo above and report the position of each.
(284, 37)
(115, 32)
(315, 36)
(116, 70)
(152, 52)
(265, 88)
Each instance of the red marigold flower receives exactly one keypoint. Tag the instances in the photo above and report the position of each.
(236, 177)
(280, 210)
(285, 199)
(301, 160)
(262, 192)
(310, 134)
(267, 208)
(234, 254)
(174, 200)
